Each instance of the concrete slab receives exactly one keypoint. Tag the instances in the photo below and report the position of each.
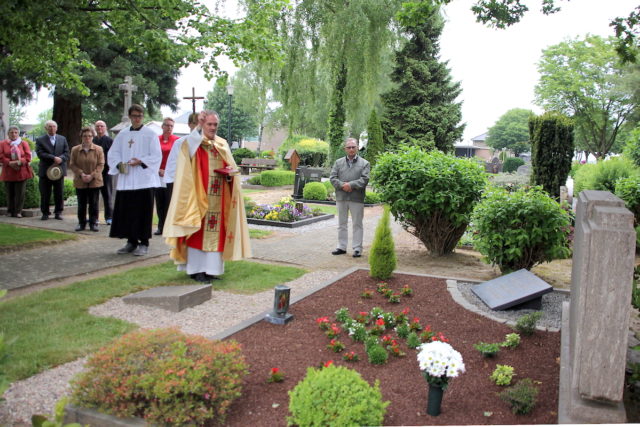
(172, 298)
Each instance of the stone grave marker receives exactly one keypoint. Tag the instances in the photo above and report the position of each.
(520, 289)
(524, 170)
(494, 166)
(172, 298)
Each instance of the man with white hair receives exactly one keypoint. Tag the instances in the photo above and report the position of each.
(52, 149)
(103, 140)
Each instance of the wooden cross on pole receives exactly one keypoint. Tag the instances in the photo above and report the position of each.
(128, 89)
(193, 98)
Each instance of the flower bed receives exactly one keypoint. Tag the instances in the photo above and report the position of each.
(472, 398)
(286, 213)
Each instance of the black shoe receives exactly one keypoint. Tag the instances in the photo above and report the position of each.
(357, 254)
(58, 216)
(338, 252)
(81, 227)
(200, 277)
(93, 227)
(157, 233)
(44, 217)
(126, 249)
(212, 277)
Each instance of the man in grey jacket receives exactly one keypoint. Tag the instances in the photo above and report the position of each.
(349, 176)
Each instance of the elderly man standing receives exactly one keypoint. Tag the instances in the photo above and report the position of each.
(135, 159)
(349, 176)
(102, 139)
(52, 149)
(206, 222)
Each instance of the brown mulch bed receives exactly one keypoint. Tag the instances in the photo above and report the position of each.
(470, 399)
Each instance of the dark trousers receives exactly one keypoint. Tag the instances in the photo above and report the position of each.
(15, 196)
(163, 197)
(45, 186)
(88, 197)
(107, 190)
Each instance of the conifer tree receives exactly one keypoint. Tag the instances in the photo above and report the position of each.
(422, 109)
(382, 259)
(375, 146)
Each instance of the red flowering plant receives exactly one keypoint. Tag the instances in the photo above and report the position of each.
(367, 294)
(276, 376)
(378, 327)
(333, 331)
(394, 349)
(323, 322)
(415, 325)
(394, 298)
(362, 317)
(328, 363)
(387, 293)
(427, 334)
(406, 291)
(382, 287)
(387, 340)
(335, 346)
(350, 356)
(402, 317)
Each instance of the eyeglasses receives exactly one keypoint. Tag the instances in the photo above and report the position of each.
(350, 148)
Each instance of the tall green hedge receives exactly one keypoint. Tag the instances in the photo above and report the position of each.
(276, 178)
(312, 151)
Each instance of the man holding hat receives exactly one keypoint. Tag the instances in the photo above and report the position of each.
(53, 152)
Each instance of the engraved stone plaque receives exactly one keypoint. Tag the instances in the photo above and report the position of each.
(512, 290)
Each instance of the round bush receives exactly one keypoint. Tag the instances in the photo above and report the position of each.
(314, 191)
(511, 164)
(164, 376)
(371, 198)
(603, 175)
(330, 189)
(520, 229)
(628, 189)
(335, 396)
(431, 194)
(312, 152)
(277, 178)
(242, 153)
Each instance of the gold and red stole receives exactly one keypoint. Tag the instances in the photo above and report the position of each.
(211, 236)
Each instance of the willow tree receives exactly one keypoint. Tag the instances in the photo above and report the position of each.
(337, 58)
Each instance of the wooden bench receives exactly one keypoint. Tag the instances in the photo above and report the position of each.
(248, 164)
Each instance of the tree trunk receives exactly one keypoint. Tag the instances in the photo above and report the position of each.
(67, 113)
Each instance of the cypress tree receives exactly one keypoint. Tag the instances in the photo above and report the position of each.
(382, 259)
(337, 116)
(422, 109)
(551, 136)
(375, 146)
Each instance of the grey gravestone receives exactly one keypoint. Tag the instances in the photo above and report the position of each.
(520, 289)
(524, 170)
(305, 174)
(172, 298)
(494, 166)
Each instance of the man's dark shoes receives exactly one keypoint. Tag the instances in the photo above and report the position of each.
(44, 217)
(93, 227)
(339, 252)
(80, 227)
(58, 216)
(212, 277)
(126, 249)
(357, 254)
(200, 277)
(157, 232)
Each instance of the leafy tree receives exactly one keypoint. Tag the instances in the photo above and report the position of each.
(422, 109)
(552, 151)
(243, 121)
(375, 146)
(511, 131)
(16, 114)
(584, 79)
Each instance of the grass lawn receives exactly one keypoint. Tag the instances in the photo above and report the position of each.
(12, 236)
(254, 233)
(52, 327)
(329, 209)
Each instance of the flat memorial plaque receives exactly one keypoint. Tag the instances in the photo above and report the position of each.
(511, 289)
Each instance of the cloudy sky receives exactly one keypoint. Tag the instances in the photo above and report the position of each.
(497, 68)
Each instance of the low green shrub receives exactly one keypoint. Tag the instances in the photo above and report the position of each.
(382, 257)
(511, 164)
(377, 354)
(242, 153)
(314, 191)
(371, 198)
(32, 193)
(254, 180)
(632, 147)
(526, 324)
(574, 168)
(521, 397)
(511, 341)
(603, 175)
(312, 152)
(520, 229)
(502, 375)
(487, 349)
(335, 396)
(164, 376)
(276, 178)
(413, 341)
(330, 188)
(628, 189)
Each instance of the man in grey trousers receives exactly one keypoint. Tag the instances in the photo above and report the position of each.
(349, 176)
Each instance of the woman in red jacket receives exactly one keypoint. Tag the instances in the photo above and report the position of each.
(15, 157)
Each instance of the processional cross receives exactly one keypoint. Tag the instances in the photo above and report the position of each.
(193, 98)
(128, 89)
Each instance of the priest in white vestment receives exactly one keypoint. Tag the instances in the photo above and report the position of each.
(135, 158)
(206, 222)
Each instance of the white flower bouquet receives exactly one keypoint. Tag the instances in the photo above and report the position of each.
(438, 362)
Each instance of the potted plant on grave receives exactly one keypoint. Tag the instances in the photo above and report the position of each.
(438, 362)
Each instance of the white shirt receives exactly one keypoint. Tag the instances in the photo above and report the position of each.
(141, 144)
(170, 167)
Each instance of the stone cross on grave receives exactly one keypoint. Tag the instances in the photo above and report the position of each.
(193, 98)
(128, 89)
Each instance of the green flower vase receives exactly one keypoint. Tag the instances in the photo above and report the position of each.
(434, 401)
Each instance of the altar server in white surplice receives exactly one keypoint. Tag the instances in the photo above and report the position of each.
(135, 158)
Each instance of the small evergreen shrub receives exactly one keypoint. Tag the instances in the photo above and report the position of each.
(521, 397)
(487, 349)
(520, 229)
(335, 396)
(382, 259)
(377, 354)
(502, 375)
(314, 191)
(511, 164)
(242, 153)
(254, 180)
(371, 198)
(403, 330)
(526, 325)
(603, 175)
(511, 341)
(628, 189)
(164, 376)
(276, 178)
(413, 341)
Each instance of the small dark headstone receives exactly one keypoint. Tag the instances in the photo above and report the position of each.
(520, 289)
